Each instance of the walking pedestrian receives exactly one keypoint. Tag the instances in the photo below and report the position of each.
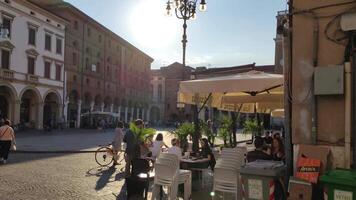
(116, 144)
(7, 141)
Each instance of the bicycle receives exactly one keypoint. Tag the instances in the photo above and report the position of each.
(104, 155)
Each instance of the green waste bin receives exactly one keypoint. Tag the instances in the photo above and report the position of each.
(260, 180)
(339, 184)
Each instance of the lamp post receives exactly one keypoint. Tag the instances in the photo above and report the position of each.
(186, 10)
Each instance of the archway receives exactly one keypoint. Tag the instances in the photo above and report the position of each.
(86, 102)
(97, 103)
(7, 97)
(155, 115)
(29, 108)
(72, 108)
(116, 105)
(107, 104)
(51, 109)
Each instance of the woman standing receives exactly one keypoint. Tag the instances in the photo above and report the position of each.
(7, 139)
(278, 153)
(206, 152)
(116, 144)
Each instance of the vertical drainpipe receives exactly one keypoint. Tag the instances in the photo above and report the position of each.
(348, 87)
(314, 101)
(353, 98)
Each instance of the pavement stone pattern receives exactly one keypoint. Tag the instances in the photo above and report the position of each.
(65, 176)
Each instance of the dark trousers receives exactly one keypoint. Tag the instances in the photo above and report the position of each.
(4, 149)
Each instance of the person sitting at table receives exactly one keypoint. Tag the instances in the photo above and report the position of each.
(206, 152)
(278, 153)
(157, 145)
(175, 149)
(258, 153)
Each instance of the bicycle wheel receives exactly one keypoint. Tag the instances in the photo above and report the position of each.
(104, 156)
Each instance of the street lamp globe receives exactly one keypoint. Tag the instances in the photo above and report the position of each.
(202, 6)
(194, 16)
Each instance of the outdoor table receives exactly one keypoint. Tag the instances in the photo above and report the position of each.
(195, 164)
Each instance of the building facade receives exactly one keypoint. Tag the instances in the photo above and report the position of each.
(164, 88)
(32, 64)
(314, 44)
(158, 97)
(104, 73)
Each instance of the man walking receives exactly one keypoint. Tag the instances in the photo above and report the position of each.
(131, 146)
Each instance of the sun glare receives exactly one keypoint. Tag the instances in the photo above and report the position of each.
(149, 25)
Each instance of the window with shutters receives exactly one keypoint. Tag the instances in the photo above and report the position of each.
(32, 36)
(31, 65)
(48, 39)
(47, 70)
(58, 72)
(74, 58)
(6, 24)
(59, 46)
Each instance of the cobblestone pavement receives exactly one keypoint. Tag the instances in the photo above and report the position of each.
(43, 176)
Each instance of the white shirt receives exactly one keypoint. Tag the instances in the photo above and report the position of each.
(156, 148)
(119, 135)
(175, 150)
(7, 133)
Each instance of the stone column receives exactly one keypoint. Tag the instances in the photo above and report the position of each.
(102, 107)
(143, 114)
(60, 113)
(65, 109)
(39, 122)
(119, 112)
(137, 113)
(111, 108)
(126, 110)
(16, 112)
(79, 110)
(132, 114)
(148, 115)
(92, 106)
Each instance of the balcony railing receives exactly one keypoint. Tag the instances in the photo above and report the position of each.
(32, 78)
(6, 74)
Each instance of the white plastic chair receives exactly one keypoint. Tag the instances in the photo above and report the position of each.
(184, 176)
(226, 180)
(227, 170)
(166, 174)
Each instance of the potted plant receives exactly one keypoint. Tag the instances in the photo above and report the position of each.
(225, 129)
(252, 126)
(182, 132)
(206, 129)
(142, 133)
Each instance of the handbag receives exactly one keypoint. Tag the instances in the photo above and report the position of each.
(13, 147)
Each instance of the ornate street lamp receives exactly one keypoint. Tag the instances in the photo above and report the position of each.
(185, 10)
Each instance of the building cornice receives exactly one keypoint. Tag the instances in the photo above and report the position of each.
(30, 16)
(87, 19)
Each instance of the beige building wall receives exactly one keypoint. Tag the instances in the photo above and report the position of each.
(329, 109)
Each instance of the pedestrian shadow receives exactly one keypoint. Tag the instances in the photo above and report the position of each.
(105, 177)
(122, 193)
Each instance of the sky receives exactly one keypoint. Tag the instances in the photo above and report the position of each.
(228, 33)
